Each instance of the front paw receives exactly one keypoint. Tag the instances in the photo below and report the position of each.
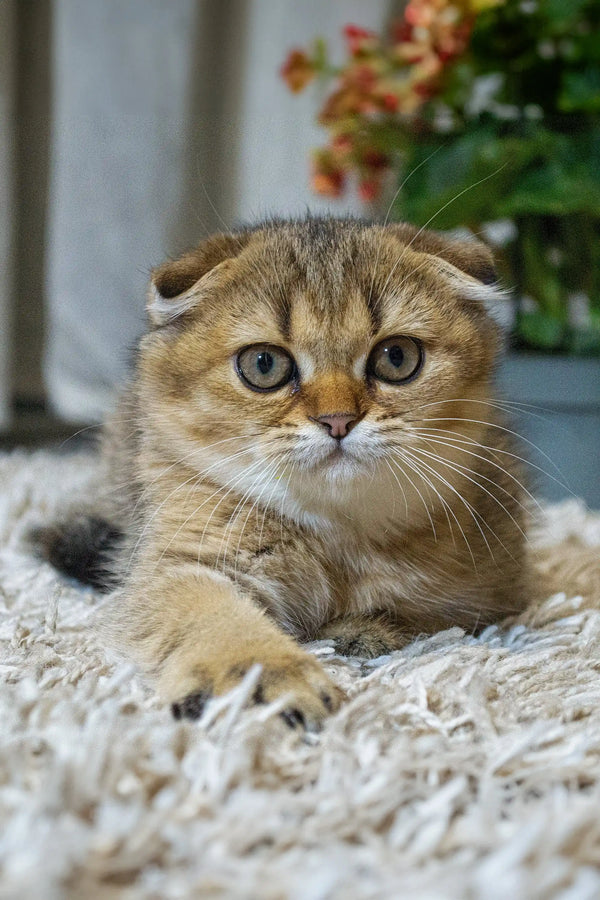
(365, 636)
(311, 693)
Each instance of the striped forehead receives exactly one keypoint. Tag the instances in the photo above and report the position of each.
(330, 337)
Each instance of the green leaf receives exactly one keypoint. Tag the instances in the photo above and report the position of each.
(581, 91)
(539, 330)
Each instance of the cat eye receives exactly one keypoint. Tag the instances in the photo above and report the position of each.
(395, 360)
(263, 367)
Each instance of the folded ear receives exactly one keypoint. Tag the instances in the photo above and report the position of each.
(470, 256)
(178, 285)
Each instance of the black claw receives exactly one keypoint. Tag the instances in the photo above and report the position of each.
(293, 717)
(191, 707)
(327, 702)
(259, 695)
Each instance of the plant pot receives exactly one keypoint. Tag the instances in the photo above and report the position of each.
(560, 416)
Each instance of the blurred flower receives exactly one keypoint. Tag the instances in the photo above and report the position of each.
(369, 189)
(354, 95)
(298, 70)
(342, 144)
(382, 85)
(471, 91)
(390, 101)
(327, 178)
(360, 41)
(328, 184)
(375, 159)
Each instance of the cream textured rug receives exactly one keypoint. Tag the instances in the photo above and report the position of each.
(461, 768)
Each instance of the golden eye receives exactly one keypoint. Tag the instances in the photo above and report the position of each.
(395, 360)
(264, 367)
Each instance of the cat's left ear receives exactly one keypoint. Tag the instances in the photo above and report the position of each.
(469, 255)
(459, 257)
(179, 285)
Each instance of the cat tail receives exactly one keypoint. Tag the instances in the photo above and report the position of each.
(84, 547)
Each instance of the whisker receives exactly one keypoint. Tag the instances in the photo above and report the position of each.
(431, 218)
(510, 406)
(198, 476)
(420, 495)
(475, 514)
(253, 507)
(239, 508)
(462, 470)
(195, 450)
(451, 443)
(240, 477)
(446, 505)
(389, 209)
(504, 429)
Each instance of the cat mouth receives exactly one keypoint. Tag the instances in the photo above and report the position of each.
(339, 456)
(336, 453)
(336, 460)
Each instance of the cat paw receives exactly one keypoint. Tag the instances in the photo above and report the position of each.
(368, 637)
(312, 694)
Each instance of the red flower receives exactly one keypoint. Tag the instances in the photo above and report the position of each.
(375, 159)
(342, 144)
(369, 189)
(383, 83)
(297, 71)
(359, 40)
(402, 32)
(390, 102)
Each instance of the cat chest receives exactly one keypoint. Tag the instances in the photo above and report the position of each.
(320, 581)
(364, 580)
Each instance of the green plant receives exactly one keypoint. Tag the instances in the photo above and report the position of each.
(480, 110)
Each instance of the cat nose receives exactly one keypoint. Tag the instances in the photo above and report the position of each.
(338, 425)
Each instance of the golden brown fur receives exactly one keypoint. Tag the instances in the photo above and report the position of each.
(248, 527)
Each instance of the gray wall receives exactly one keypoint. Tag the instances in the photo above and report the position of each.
(169, 120)
(128, 131)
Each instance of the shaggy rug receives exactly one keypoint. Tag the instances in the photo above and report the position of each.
(461, 767)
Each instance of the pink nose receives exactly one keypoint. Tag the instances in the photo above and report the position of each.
(338, 425)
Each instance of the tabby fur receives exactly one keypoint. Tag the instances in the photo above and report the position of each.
(247, 528)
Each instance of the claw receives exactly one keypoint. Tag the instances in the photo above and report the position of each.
(293, 717)
(191, 707)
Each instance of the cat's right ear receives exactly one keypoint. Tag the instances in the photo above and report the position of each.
(178, 286)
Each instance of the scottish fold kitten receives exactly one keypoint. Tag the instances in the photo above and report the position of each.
(309, 448)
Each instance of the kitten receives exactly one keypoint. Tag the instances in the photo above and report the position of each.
(309, 448)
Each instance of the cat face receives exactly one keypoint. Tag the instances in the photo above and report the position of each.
(316, 351)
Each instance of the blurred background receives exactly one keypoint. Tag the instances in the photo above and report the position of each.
(130, 129)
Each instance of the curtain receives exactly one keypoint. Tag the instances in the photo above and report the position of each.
(166, 120)
(7, 42)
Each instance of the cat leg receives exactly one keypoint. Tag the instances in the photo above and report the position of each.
(198, 635)
(365, 635)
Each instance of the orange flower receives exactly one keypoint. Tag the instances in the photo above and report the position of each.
(297, 71)
(328, 184)
(382, 83)
(328, 178)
